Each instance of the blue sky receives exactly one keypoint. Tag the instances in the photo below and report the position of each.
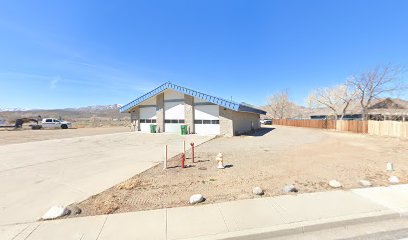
(56, 54)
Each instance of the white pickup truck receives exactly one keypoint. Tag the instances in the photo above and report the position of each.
(55, 123)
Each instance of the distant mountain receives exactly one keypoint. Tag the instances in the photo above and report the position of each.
(96, 115)
(100, 107)
(88, 108)
(7, 109)
(384, 105)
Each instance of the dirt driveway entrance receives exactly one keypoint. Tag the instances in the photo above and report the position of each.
(37, 175)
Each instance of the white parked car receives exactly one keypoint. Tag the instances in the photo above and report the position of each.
(55, 123)
(266, 121)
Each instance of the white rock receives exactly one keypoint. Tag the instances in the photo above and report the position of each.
(257, 191)
(196, 198)
(393, 179)
(334, 184)
(365, 183)
(289, 188)
(390, 166)
(55, 212)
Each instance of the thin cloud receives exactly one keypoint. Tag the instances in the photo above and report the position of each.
(42, 79)
(54, 82)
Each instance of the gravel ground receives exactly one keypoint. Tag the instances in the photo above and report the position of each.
(8, 136)
(270, 159)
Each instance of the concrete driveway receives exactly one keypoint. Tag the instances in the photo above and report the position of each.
(37, 175)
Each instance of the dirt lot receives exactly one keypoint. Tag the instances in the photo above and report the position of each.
(28, 135)
(307, 158)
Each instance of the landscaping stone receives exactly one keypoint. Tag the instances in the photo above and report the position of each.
(393, 179)
(196, 198)
(257, 191)
(289, 188)
(365, 183)
(335, 184)
(55, 212)
(390, 166)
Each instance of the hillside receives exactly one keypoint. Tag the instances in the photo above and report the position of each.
(91, 116)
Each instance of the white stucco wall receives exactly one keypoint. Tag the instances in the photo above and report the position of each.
(171, 95)
(150, 101)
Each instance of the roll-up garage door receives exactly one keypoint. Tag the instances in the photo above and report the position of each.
(173, 116)
(206, 119)
(147, 117)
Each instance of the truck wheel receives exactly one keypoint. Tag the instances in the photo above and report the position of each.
(64, 126)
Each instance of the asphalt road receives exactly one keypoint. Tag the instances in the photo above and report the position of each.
(393, 229)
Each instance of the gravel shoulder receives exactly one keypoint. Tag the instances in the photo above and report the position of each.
(270, 159)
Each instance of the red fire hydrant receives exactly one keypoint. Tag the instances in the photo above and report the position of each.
(183, 159)
(192, 151)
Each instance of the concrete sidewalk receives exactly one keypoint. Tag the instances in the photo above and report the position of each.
(261, 217)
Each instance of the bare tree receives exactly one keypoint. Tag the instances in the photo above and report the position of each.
(279, 105)
(379, 81)
(337, 99)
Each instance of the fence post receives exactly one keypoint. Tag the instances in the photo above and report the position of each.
(184, 147)
(165, 157)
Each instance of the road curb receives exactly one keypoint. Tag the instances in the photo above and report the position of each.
(304, 227)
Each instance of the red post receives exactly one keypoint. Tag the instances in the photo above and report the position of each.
(192, 151)
(183, 159)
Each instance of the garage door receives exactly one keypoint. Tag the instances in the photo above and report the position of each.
(147, 117)
(207, 119)
(174, 116)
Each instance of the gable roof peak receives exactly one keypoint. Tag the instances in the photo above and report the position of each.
(212, 99)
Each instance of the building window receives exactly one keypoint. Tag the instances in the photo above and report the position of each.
(174, 121)
(147, 120)
(198, 121)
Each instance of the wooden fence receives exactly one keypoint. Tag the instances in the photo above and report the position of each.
(388, 128)
(355, 126)
(379, 128)
(308, 123)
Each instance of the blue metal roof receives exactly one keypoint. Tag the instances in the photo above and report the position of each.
(239, 107)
